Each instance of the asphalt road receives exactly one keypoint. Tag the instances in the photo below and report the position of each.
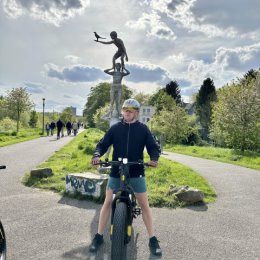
(43, 225)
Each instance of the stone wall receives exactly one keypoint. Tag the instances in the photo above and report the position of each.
(87, 183)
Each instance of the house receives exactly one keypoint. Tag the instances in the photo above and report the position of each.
(146, 113)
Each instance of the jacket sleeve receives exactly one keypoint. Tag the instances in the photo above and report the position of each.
(151, 146)
(103, 144)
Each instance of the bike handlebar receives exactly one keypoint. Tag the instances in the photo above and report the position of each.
(117, 163)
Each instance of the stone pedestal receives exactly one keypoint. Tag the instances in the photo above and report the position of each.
(87, 183)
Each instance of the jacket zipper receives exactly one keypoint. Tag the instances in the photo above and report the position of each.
(127, 144)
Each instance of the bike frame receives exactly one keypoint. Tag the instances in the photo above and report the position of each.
(124, 194)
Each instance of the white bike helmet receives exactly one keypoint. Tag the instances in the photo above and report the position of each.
(131, 103)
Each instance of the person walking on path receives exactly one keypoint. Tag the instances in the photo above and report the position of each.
(59, 128)
(47, 127)
(129, 138)
(68, 127)
(52, 127)
(75, 128)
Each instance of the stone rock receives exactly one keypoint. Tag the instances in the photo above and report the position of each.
(87, 183)
(186, 194)
(41, 173)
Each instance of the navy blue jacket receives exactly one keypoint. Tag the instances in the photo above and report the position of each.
(128, 141)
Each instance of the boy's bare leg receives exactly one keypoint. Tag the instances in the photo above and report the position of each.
(105, 212)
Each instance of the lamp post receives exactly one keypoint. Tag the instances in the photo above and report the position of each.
(43, 105)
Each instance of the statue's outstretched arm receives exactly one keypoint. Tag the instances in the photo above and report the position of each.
(104, 42)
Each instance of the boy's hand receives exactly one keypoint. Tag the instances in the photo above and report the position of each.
(95, 161)
(152, 163)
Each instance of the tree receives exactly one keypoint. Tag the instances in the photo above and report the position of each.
(172, 121)
(236, 116)
(204, 100)
(66, 115)
(33, 119)
(18, 100)
(172, 89)
(99, 96)
(142, 98)
(156, 100)
(4, 109)
(7, 124)
(251, 74)
(100, 123)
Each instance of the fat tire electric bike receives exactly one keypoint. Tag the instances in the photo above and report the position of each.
(124, 209)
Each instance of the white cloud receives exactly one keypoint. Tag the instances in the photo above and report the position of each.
(50, 11)
(239, 58)
(34, 87)
(153, 25)
(147, 72)
(139, 72)
(76, 73)
(228, 64)
(181, 12)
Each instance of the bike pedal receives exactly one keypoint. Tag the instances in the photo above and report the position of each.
(137, 212)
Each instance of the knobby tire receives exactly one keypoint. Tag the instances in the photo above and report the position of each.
(2, 243)
(118, 246)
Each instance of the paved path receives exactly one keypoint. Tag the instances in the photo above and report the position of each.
(42, 225)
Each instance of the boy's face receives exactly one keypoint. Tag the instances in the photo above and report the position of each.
(130, 115)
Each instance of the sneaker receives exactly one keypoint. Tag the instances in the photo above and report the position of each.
(154, 246)
(96, 243)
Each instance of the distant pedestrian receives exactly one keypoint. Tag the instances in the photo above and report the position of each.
(68, 127)
(48, 128)
(62, 130)
(75, 128)
(52, 126)
(59, 128)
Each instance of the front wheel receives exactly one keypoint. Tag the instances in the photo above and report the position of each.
(2, 243)
(119, 232)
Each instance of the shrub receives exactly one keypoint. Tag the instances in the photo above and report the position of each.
(7, 124)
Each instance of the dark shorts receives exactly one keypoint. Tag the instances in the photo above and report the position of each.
(138, 184)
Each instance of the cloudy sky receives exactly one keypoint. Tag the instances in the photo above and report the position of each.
(48, 46)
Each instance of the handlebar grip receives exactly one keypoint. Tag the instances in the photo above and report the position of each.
(2, 166)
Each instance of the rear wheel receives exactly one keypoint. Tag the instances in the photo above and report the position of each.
(2, 243)
(119, 233)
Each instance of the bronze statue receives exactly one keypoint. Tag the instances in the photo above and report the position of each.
(121, 52)
(116, 89)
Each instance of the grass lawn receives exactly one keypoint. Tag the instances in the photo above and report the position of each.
(24, 134)
(247, 159)
(76, 157)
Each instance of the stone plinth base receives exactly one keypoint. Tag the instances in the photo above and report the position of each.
(87, 183)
